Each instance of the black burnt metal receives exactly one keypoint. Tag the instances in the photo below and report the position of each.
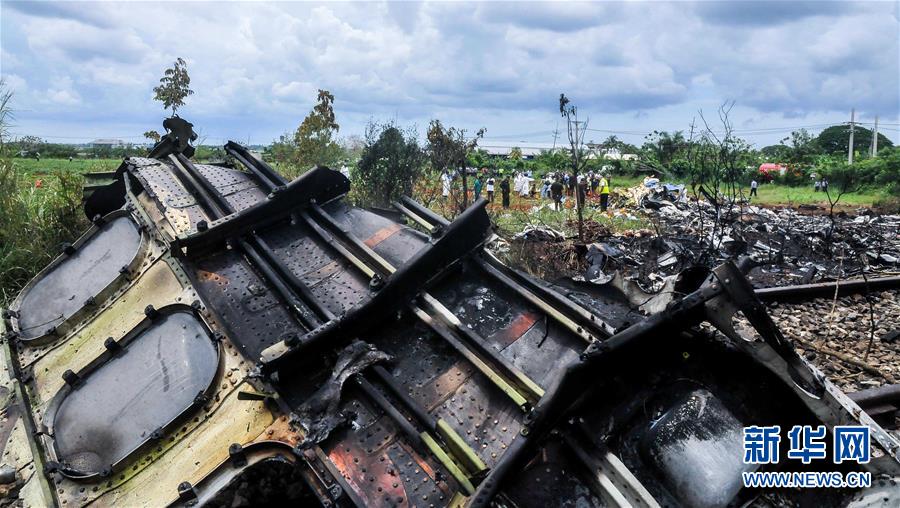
(420, 413)
(318, 185)
(360, 249)
(577, 380)
(474, 343)
(463, 236)
(418, 219)
(373, 262)
(741, 293)
(177, 140)
(290, 288)
(880, 402)
(393, 413)
(520, 283)
(424, 212)
(707, 303)
(827, 289)
(267, 176)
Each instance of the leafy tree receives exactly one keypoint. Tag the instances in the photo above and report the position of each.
(390, 164)
(30, 143)
(614, 143)
(283, 150)
(803, 148)
(314, 139)
(152, 136)
(515, 154)
(477, 158)
(551, 161)
(836, 138)
(661, 148)
(775, 153)
(174, 86)
(882, 170)
(448, 150)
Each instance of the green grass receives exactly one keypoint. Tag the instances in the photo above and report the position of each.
(46, 166)
(35, 220)
(540, 213)
(772, 194)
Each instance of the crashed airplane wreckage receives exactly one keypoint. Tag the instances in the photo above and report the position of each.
(216, 321)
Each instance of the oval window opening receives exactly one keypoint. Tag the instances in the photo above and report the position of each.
(83, 274)
(117, 407)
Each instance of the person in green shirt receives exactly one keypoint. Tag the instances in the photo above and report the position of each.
(477, 188)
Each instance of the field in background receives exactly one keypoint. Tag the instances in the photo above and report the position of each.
(44, 166)
(783, 195)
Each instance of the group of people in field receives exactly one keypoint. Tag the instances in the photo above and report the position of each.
(556, 186)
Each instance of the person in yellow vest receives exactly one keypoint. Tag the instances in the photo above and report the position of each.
(604, 193)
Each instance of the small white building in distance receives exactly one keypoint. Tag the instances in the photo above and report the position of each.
(107, 143)
(529, 149)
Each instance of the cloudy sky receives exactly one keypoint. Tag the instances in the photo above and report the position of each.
(86, 70)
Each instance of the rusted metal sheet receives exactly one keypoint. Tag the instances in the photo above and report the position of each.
(480, 385)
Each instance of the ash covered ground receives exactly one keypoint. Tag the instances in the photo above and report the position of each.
(852, 339)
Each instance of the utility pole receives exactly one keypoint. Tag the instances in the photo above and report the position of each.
(875, 138)
(555, 134)
(850, 147)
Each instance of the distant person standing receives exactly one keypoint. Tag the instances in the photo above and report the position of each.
(603, 186)
(753, 186)
(556, 192)
(477, 189)
(824, 185)
(490, 189)
(504, 191)
(445, 185)
(581, 189)
(818, 184)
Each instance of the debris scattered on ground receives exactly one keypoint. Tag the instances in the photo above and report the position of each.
(788, 246)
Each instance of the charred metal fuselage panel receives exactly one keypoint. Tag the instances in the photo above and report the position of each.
(225, 321)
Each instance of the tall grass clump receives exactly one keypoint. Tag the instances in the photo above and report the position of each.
(34, 223)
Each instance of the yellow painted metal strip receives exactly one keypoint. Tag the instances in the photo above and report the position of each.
(448, 463)
(482, 367)
(524, 381)
(460, 449)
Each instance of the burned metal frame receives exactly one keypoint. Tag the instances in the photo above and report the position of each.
(575, 382)
(717, 300)
(565, 312)
(431, 262)
(289, 287)
(319, 185)
(467, 463)
(828, 289)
